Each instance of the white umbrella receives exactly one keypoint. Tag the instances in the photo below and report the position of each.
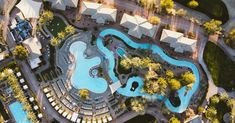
(31, 99)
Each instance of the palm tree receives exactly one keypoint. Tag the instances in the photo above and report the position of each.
(61, 35)
(27, 106)
(70, 29)
(54, 41)
(150, 5)
(45, 17)
(84, 94)
(174, 120)
(138, 105)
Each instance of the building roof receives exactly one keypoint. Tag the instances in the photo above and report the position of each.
(177, 41)
(98, 12)
(29, 8)
(169, 36)
(61, 4)
(105, 14)
(89, 8)
(138, 26)
(34, 47)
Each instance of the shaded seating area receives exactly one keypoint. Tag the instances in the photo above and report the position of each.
(90, 111)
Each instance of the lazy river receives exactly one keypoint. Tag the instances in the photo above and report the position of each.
(109, 55)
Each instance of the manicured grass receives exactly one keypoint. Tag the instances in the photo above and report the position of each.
(57, 25)
(215, 9)
(142, 119)
(221, 67)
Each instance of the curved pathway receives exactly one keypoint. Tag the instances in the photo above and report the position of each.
(212, 89)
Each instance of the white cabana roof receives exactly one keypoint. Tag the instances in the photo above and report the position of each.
(177, 41)
(61, 4)
(35, 107)
(22, 81)
(40, 115)
(57, 108)
(109, 118)
(50, 99)
(25, 87)
(65, 114)
(90, 8)
(29, 8)
(45, 90)
(48, 95)
(138, 26)
(31, 99)
(53, 104)
(74, 117)
(98, 12)
(18, 74)
(105, 14)
(60, 111)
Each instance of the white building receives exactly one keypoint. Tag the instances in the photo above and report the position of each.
(177, 41)
(62, 4)
(138, 26)
(104, 15)
(89, 8)
(34, 48)
(98, 12)
(29, 8)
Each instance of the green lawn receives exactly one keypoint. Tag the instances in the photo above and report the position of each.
(221, 67)
(215, 9)
(57, 25)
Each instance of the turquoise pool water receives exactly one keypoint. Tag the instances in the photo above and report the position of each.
(81, 78)
(18, 113)
(121, 52)
(185, 99)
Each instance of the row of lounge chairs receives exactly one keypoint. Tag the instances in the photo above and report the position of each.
(85, 115)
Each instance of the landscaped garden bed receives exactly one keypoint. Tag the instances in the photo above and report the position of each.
(56, 25)
(221, 67)
(215, 9)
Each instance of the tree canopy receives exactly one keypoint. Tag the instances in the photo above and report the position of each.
(174, 120)
(167, 5)
(193, 4)
(213, 26)
(138, 105)
(211, 113)
(148, 4)
(174, 84)
(20, 52)
(154, 20)
(188, 78)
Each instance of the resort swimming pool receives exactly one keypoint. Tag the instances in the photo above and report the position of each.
(18, 113)
(185, 98)
(81, 78)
